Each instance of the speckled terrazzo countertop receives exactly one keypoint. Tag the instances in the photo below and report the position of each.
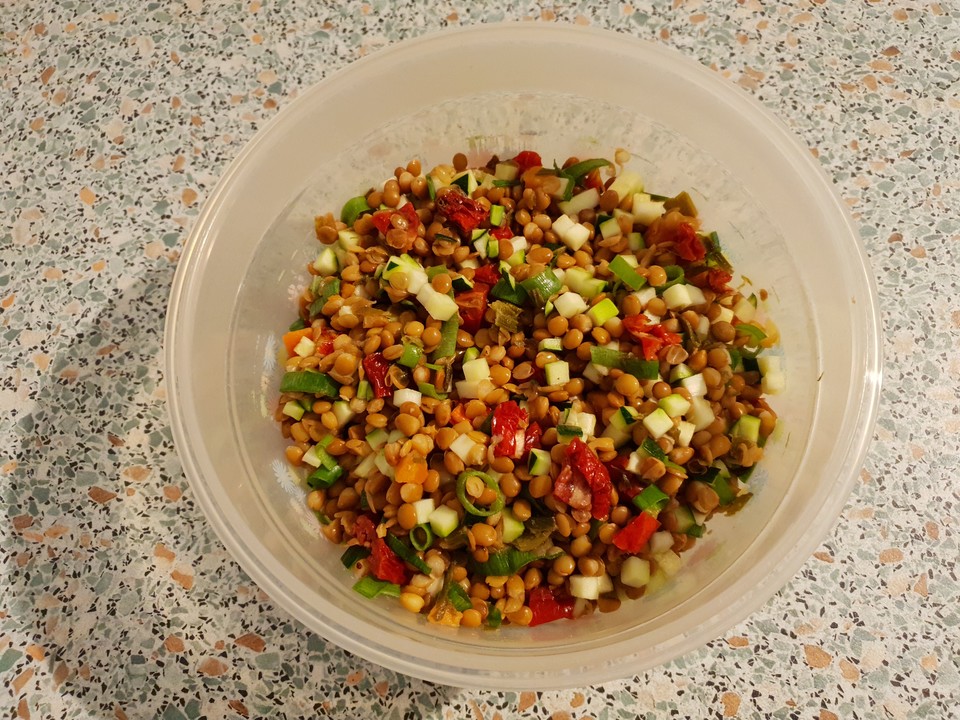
(117, 600)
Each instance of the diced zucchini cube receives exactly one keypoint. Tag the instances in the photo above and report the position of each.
(646, 211)
(326, 263)
(342, 412)
(444, 520)
(293, 409)
(679, 372)
(570, 304)
(561, 225)
(768, 364)
(674, 405)
(476, 370)
(439, 305)
(512, 528)
(423, 509)
(586, 200)
(685, 433)
(584, 586)
(745, 310)
(773, 383)
(305, 348)
(462, 447)
(747, 427)
(676, 296)
(604, 310)
(627, 183)
(610, 228)
(658, 423)
(576, 237)
(669, 562)
(405, 395)
(695, 385)
(551, 344)
(558, 372)
(700, 413)
(635, 572)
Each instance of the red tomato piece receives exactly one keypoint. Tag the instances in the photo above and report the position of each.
(531, 438)
(585, 461)
(385, 565)
(325, 346)
(381, 220)
(546, 606)
(502, 233)
(505, 423)
(488, 274)
(650, 337)
(466, 213)
(637, 533)
(687, 244)
(376, 366)
(717, 279)
(473, 306)
(364, 530)
(527, 159)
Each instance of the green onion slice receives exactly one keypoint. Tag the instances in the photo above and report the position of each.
(412, 352)
(503, 290)
(370, 587)
(297, 324)
(308, 381)
(354, 554)
(720, 485)
(323, 477)
(467, 503)
(448, 339)
(458, 597)
(715, 256)
(407, 554)
(354, 208)
(542, 286)
(606, 357)
(435, 270)
(630, 364)
(364, 390)
(421, 537)
(642, 369)
(652, 500)
(650, 447)
(430, 390)
(506, 315)
(494, 617)
(578, 170)
(626, 273)
(331, 287)
(505, 562)
(755, 334)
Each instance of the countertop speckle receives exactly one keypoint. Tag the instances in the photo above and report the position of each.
(117, 600)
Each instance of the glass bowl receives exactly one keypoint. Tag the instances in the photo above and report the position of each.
(498, 89)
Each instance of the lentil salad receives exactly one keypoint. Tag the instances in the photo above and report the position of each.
(520, 391)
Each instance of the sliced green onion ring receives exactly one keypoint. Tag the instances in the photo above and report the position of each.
(421, 537)
(495, 507)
